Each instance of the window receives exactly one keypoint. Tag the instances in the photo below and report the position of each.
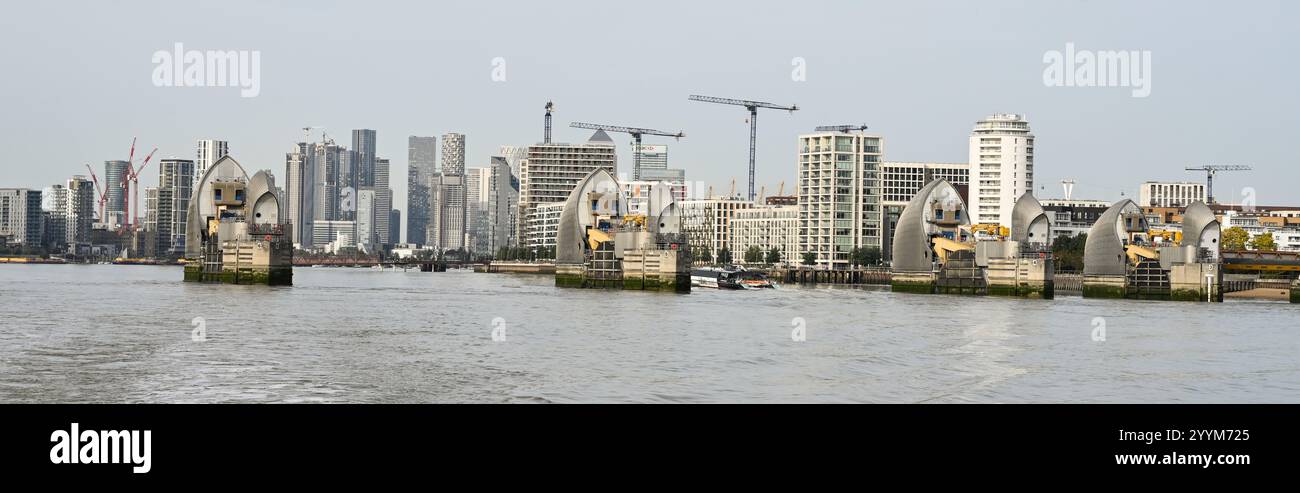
(216, 194)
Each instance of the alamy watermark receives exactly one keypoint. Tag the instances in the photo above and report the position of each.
(1087, 68)
(194, 68)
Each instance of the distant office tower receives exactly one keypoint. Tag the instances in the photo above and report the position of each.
(446, 229)
(115, 207)
(502, 205)
(477, 182)
(421, 163)
(1002, 167)
(477, 224)
(453, 154)
(839, 195)
(331, 162)
(54, 205)
(394, 227)
(81, 210)
(383, 202)
(175, 185)
(209, 152)
(367, 238)
(514, 156)
(552, 171)
(21, 220)
(300, 207)
(1170, 194)
(363, 143)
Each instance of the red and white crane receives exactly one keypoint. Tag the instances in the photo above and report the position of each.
(103, 197)
(131, 181)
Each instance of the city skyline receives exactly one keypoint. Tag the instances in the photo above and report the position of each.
(968, 63)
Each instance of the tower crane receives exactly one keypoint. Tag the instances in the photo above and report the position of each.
(753, 107)
(546, 135)
(130, 181)
(103, 196)
(841, 128)
(1210, 170)
(636, 139)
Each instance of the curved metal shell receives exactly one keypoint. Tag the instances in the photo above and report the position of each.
(1103, 253)
(200, 209)
(1201, 228)
(265, 204)
(911, 247)
(576, 217)
(1029, 222)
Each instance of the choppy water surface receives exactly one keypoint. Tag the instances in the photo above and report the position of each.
(75, 333)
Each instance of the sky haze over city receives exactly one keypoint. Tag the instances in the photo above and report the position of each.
(920, 74)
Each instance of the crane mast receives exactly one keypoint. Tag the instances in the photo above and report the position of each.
(636, 134)
(753, 107)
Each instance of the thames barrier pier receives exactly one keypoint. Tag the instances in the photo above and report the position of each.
(1123, 260)
(938, 251)
(235, 234)
(601, 243)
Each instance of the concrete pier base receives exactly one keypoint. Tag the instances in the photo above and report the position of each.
(912, 282)
(1022, 277)
(1104, 286)
(1195, 282)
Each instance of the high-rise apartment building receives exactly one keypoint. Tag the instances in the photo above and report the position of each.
(21, 220)
(551, 171)
(707, 222)
(208, 153)
(175, 185)
(766, 227)
(839, 195)
(1001, 167)
(80, 209)
(422, 161)
(453, 154)
(54, 204)
(1170, 194)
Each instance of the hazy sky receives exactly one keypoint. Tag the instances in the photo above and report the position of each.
(77, 82)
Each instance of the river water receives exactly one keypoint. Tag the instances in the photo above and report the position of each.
(101, 333)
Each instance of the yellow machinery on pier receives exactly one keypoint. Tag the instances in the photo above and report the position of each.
(996, 230)
(944, 247)
(1138, 253)
(1166, 235)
